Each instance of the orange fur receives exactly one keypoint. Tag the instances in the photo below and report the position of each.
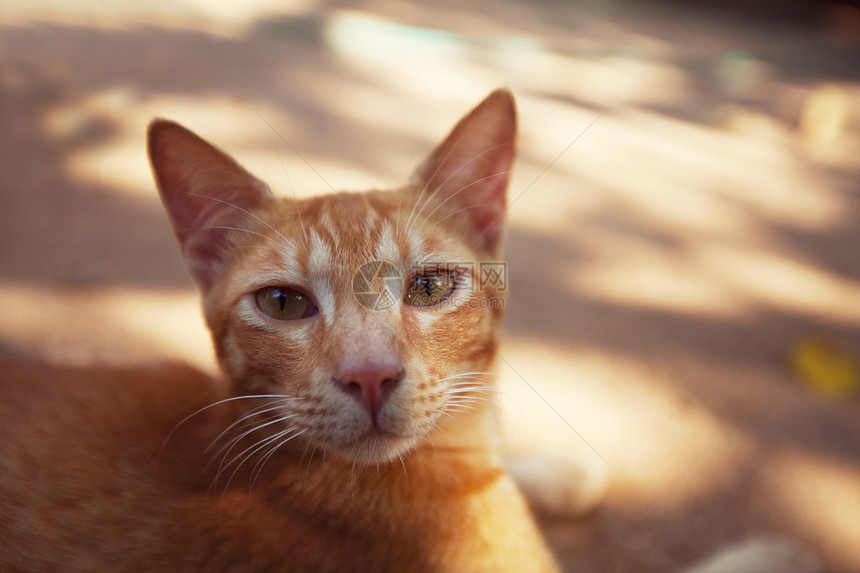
(332, 468)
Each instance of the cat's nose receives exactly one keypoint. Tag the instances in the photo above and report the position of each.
(371, 385)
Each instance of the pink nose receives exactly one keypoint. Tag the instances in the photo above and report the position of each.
(370, 385)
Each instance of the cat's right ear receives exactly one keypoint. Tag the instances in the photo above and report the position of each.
(468, 172)
(205, 193)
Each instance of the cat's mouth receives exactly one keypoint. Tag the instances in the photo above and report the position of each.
(375, 445)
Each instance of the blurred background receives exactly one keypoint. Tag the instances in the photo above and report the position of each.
(684, 244)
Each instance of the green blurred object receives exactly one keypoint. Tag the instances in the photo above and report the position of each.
(827, 364)
(738, 72)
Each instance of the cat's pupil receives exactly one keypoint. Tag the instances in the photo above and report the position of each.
(283, 303)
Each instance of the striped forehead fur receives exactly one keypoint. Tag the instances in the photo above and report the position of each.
(319, 261)
(387, 247)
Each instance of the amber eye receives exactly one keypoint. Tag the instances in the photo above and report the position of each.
(282, 303)
(430, 288)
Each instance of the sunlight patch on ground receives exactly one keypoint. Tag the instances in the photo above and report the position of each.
(214, 16)
(776, 280)
(681, 218)
(717, 280)
(663, 450)
(822, 498)
(678, 173)
(603, 79)
(104, 324)
(658, 282)
(248, 130)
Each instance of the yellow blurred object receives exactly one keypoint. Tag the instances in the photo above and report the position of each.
(824, 119)
(827, 365)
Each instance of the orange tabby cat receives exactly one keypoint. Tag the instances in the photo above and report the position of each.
(353, 428)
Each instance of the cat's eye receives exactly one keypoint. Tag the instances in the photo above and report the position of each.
(430, 288)
(283, 303)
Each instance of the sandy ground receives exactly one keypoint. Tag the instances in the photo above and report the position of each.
(686, 212)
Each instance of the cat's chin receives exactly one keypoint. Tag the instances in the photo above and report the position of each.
(375, 447)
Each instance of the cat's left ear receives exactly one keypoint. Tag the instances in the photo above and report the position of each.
(468, 173)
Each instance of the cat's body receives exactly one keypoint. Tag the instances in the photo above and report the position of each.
(369, 445)
(97, 489)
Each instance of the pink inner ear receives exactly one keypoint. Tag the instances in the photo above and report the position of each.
(468, 172)
(204, 191)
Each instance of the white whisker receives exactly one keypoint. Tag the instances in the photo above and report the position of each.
(246, 454)
(467, 402)
(289, 182)
(286, 242)
(294, 150)
(227, 447)
(427, 183)
(258, 467)
(452, 195)
(400, 194)
(225, 450)
(439, 187)
(468, 389)
(241, 230)
(213, 405)
(259, 410)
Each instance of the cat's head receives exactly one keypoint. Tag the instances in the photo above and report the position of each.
(373, 314)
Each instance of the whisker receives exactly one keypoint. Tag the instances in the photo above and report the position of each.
(463, 409)
(470, 383)
(448, 178)
(228, 447)
(452, 195)
(259, 410)
(467, 378)
(287, 242)
(241, 230)
(310, 458)
(429, 179)
(246, 454)
(460, 410)
(477, 396)
(467, 402)
(458, 211)
(258, 467)
(469, 390)
(242, 247)
(294, 150)
(290, 183)
(466, 374)
(541, 174)
(214, 404)
(400, 194)
(433, 176)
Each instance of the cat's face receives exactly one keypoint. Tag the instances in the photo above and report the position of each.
(370, 313)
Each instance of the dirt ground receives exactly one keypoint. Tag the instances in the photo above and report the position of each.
(684, 246)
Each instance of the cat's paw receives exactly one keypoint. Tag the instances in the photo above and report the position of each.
(760, 556)
(556, 486)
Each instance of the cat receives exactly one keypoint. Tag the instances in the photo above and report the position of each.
(353, 426)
